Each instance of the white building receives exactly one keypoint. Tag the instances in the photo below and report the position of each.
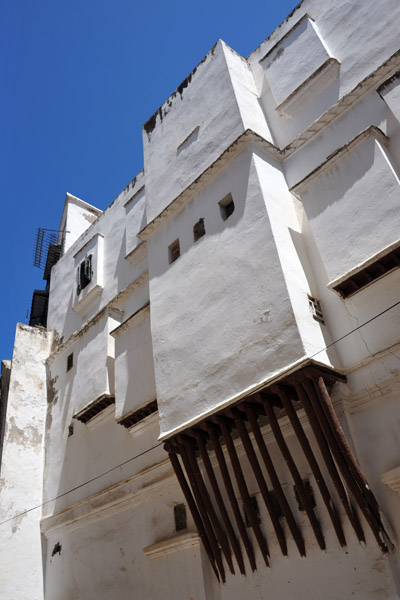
(239, 300)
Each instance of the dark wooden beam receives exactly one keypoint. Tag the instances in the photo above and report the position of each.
(194, 483)
(253, 460)
(237, 470)
(221, 538)
(309, 402)
(312, 461)
(218, 497)
(351, 470)
(280, 494)
(214, 436)
(305, 500)
(191, 504)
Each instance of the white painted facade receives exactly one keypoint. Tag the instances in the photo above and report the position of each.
(303, 138)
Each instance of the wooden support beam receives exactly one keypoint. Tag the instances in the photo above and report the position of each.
(343, 444)
(312, 461)
(226, 433)
(253, 460)
(191, 504)
(342, 464)
(211, 429)
(218, 497)
(310, 404)
(194, 483)
(295, 474)
(280, 494)
(351, 471)
(220, 534)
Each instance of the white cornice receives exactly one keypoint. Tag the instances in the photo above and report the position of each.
(106, 311)
(241, 143)
(135, 256)
(96, 235)
(337, 156)
(131, 321)
(392, 479)
(174, 544)
(148, 485)
(279, 154)
(111, 309)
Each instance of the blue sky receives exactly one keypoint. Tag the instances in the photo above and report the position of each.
(78, 79)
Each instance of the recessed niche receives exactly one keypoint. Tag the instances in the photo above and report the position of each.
(198, 230)
(226, 206)
(174, 251)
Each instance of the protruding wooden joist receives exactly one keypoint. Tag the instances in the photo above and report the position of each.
(199, 435)
(211, 429)
(237, 470)
(309, 402)
(312, 461)
(305, 500)
(191, 504)
(253, 460)
(220, 534)
(194, 483)
(351, 470)
(276, 485)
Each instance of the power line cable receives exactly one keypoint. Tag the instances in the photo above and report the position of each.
(81, 484)
(160, 444)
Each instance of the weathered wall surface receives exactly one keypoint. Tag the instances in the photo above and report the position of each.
(221, 316)
(21, 482)
(232, 311)
(359, 38)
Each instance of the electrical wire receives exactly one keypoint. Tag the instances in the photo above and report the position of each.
(81, 484)
(160, 444)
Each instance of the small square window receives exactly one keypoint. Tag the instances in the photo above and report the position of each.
(174, 251)
(226, 206)
(70, 361)
(198, 230)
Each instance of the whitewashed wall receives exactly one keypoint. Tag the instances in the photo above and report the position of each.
(228, 314)
(22, 467)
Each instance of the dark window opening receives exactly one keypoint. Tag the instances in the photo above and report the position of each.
(174, 251)
(199, 230)
(70, 430)
(309, 492)
(226, 207)
(256, 511)
(85, 273)
(180, 517)
(70, 361)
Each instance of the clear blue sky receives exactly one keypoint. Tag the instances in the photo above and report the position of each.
(78, 79)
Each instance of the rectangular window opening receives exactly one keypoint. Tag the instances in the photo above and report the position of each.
(198, 230)
(226, 206)
(180, 517)
(70, 361)
(85, 273)
(174, 251)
